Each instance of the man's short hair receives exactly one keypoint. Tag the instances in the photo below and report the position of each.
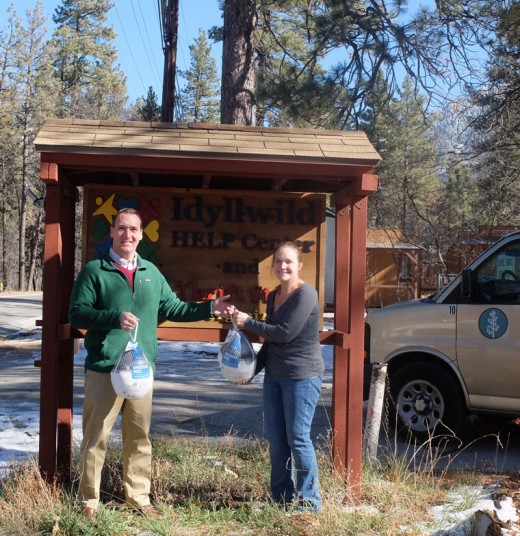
(128, 211)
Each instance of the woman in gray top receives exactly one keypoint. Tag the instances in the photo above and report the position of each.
(292, 383)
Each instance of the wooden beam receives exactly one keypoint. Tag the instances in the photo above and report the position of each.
(341, 314)
(56, 362)
(50, 346)
(347, 393)
(365, 185)
(48, 172)
(357, 330)
(330, 337)
(335, 338)
(66, 348)
(243, 167)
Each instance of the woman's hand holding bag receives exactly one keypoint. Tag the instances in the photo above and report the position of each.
(237, 357)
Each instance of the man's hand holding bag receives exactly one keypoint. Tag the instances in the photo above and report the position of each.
(132, 377)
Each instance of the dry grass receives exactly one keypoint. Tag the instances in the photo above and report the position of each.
(207, 488)
(25, 499)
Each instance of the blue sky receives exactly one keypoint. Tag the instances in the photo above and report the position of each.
(139, 41)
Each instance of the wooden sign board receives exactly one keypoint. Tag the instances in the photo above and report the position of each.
(213, 242)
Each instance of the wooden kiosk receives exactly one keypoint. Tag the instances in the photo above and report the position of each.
(216, 199)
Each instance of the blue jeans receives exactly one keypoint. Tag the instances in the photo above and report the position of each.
(289, 407)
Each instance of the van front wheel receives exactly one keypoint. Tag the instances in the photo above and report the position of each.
(427, 401)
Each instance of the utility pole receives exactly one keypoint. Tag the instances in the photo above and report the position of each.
(170, 26)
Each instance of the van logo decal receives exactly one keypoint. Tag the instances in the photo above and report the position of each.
(492, 323)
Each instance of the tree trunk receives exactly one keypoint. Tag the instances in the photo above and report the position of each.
(36, 232)
(23, 208)
(238, 63)
(3, 269)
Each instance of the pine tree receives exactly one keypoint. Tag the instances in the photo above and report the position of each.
(199, 100)
(30, 99)
(292, 88)
(296, 38)
(147, 108)
(9, 43)
(497, 144)
(91, 84)
(458, 208)
(409, 185)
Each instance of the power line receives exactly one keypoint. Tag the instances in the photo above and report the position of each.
(150, 48)
(187, 37)
(159, 10)
(130, 50)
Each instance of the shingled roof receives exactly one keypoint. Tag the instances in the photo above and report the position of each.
(200, 155)
(388, 239)
(65, 135)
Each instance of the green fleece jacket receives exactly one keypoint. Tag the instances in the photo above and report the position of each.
(102, 292)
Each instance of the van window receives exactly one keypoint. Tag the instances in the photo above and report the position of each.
(497, 280)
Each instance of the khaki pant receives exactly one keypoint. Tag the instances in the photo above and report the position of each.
(101, 408)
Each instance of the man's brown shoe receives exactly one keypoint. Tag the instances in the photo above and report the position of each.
(88, 512)
(150, 511)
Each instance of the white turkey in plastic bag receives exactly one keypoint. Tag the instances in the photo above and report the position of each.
(132, 377)
(237, 357)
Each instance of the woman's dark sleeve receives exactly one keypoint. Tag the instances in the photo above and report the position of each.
(292, 322)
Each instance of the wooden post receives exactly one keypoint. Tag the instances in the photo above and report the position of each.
(66, 347)
(347, 395)
(56, 356)
(341, 313)
(49, 361)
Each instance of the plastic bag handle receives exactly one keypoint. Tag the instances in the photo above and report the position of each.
(133, 333)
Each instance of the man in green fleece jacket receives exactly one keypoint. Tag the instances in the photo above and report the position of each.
(111, 295)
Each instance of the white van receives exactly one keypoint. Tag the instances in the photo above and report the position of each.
(458, 351)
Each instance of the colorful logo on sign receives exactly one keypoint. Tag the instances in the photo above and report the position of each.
(103, 216)
(492, 323)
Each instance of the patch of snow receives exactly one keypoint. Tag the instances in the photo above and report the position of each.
(455, 517)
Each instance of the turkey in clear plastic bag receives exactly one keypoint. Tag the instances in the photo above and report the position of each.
(132, 377)
(237, 357)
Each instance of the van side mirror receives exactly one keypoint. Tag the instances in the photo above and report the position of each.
(467, 283)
